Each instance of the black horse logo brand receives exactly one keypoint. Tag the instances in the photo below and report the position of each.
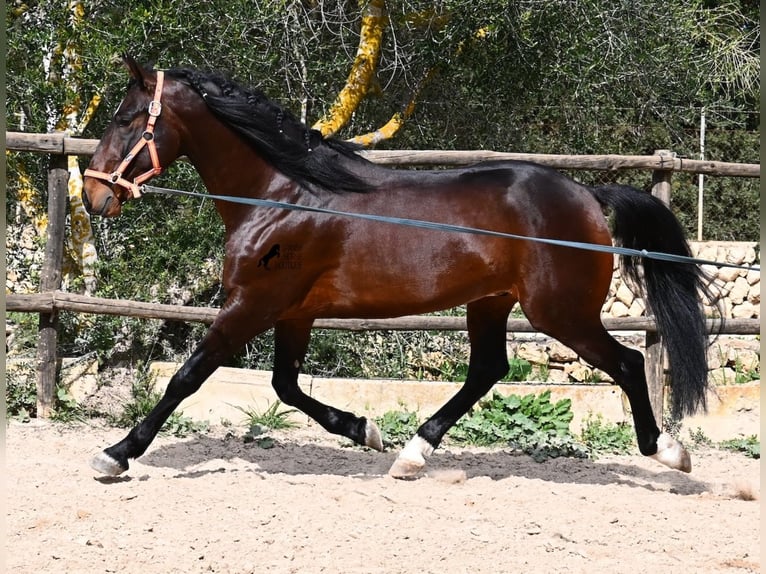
(273, 252)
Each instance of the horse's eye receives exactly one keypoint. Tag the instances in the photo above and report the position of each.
(123, 121)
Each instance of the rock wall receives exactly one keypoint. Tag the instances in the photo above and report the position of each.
(740, 290)
(731, 359)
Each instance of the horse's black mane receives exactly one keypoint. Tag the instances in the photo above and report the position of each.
(299, 152)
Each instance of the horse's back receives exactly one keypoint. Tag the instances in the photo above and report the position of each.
(426, 270)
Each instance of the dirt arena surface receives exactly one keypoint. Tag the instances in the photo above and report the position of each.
(212, 503)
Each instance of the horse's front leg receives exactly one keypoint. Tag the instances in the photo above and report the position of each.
(291, 339)
(229, 333)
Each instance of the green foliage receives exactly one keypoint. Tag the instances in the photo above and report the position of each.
(531, 423)
(518, 370)
(565, 77)
(749, 446)
(143, 400)
(66, 408)
(699, 438)
(602, 437)
(25, 333)
(745, 373)
(397, 427)
(420, 355)
(21, 397)
(20, 392)
(271, 418)
(256, 435)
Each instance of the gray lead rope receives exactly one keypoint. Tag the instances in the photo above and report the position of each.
(643, 253)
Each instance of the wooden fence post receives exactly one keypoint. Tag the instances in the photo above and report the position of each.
(655, 357)
(50, 280)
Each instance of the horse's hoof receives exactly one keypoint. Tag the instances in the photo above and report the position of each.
(105, 464)
(372, 437)
(412, 459)
(404, 468)
(671, 453)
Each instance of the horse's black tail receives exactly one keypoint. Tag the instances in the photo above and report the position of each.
(674, 291)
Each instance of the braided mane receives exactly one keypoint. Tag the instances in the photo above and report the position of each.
(299, 152)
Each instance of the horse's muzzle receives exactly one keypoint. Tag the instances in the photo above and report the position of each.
(99, 199)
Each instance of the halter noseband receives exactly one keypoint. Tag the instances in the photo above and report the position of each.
(147, 139)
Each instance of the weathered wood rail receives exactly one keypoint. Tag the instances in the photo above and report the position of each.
(56, 301)
(64, 145)
(50, 301)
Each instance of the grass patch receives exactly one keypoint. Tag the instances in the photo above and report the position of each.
(259, 422)
(272, 418)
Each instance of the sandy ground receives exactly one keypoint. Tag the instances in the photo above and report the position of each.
(212, 503)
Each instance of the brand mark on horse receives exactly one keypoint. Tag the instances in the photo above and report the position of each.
(273, 252)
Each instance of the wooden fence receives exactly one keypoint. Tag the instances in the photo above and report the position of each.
(50, 301)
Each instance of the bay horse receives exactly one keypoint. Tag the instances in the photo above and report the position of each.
(246, 146)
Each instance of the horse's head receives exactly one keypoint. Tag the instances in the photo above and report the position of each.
(141, 140)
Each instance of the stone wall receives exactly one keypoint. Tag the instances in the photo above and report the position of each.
(740, 290)
(731, 358)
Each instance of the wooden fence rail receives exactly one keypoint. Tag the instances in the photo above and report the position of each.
(63, 145)
(50, 301)
(56, 301)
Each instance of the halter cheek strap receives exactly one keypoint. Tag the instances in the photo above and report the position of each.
(147, 139)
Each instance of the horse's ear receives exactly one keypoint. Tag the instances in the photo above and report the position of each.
(136, 70)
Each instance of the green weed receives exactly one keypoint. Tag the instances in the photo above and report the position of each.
(143, 400)
(744, 374)
(531, 423)
(397, 427)
(21, 397)
(20, 392)
(699, 438)
(66, 408)
(518, 370)
(749, 446)
(602, 437)
(271, 418)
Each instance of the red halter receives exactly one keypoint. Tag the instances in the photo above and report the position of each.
(147, 139)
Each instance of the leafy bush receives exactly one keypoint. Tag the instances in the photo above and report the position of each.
(66, 408)
(531, 423)
(20, 392)
(397, 427)
(602, 437)
(21, 397)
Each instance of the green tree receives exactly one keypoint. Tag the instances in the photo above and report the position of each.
(592, 76)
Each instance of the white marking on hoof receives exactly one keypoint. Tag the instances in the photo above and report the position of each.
(671, 453)
(105, 464)
(412, 459)
(372, 436)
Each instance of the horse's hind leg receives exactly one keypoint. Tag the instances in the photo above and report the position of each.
(291, 339)
(488, 364)
(585, 335)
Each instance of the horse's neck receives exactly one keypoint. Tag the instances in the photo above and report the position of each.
(228, 166)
